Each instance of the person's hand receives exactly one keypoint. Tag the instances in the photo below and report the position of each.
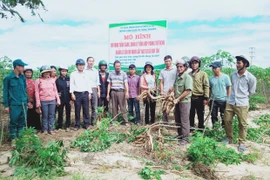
(30, 105)
(58, 104)
(73, 97)
(7, 109)
(176, 100)
(108, 98)
(98, 94)
(90, 96)
(71, 102)
(171, 89)
(161, 93)
(205, 102)
(38, 110)
(127, 95)
(138, 98)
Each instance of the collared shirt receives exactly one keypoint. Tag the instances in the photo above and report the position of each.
(80, 82)
(200, 84)
(168, 76)
(117, 80)
(218, 86)
(133, 85)
(30, 84)
(63, 84)
(93, 77)
(183, 83)
(242, 88)
(14, 91)
(45, 90)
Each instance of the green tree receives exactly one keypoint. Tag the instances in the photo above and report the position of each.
(225, 57)
(6, 68)
(7, 8)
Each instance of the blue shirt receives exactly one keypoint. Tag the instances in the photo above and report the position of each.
(242, 88)
(218, 86)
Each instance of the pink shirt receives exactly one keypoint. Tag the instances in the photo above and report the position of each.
(54, 78)
(46, 91)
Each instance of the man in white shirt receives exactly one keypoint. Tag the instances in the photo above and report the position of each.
(80, 93)
(94, 82)
(167, 78)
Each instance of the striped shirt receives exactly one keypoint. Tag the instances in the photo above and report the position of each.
(242, 88)
(117, 80)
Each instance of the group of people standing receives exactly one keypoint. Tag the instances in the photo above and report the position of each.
(193, 91)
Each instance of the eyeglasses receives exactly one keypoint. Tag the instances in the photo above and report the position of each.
(179, 66)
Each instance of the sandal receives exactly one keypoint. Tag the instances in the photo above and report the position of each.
(227, 141)
(241, 148)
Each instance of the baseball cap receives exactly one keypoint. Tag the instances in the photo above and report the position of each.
(216, 64)
(19, 62)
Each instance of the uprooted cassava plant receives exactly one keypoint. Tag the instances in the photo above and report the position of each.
(32, 159)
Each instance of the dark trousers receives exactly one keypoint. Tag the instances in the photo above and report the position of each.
(149, 105)
(82, 100)
(197, 106)
(181, 115)
(33, 119)
(218, 105)
(60, 108)
(17, 120)
(134, 102)
(103, 102)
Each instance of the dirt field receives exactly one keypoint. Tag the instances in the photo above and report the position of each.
(123, 161)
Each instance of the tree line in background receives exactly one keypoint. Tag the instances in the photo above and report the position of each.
(262, 74)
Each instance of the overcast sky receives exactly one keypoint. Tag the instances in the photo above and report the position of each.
(78, 29)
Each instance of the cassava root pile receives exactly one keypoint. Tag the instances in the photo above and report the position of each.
(146, 139)
(167, 104)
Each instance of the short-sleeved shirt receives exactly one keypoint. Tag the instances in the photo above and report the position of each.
(218, 86)
(133, 85)
(117, 79)
(242, 88)
(183, 83)
(168, 76)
